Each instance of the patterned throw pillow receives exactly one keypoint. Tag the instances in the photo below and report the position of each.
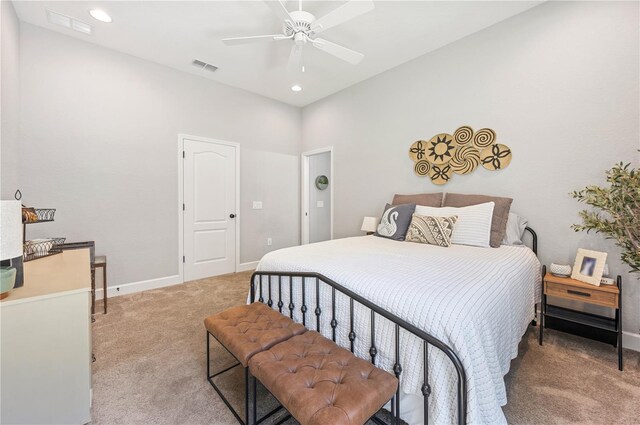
(395, 221)
(431, 230)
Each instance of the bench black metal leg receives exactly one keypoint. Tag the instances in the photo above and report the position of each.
(215, 387)
(249, 402)
(246, 395)
(254, 398)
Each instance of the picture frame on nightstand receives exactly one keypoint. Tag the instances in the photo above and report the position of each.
(589, 266)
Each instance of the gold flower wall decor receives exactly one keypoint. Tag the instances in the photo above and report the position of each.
(461, 153)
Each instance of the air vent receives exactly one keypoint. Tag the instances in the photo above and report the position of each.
(204, 65)
(68, 22)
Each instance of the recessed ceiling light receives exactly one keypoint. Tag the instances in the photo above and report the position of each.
(100, 15)
(296, 87)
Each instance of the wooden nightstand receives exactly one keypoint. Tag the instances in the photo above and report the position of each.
(604, 295)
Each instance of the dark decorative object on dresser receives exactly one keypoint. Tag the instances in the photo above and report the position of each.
(587, 325)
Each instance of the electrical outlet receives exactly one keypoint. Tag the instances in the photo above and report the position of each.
(257, 205)
(269, 242)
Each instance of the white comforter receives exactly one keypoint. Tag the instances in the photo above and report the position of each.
(479, 301)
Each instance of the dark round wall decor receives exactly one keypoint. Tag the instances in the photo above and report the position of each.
(322, 182)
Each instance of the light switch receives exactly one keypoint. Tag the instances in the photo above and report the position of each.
(257, 205)
(320, 204)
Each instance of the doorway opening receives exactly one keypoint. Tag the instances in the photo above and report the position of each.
(209, 197)
(317, 195)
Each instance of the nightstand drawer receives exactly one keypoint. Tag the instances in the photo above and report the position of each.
(587, 295)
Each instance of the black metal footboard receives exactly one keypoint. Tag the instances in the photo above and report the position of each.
(269, 287)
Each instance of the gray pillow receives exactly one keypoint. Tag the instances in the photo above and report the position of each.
(395, 221)
(515, 230)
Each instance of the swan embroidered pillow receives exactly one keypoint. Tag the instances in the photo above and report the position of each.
(431, 230)
(395, 221)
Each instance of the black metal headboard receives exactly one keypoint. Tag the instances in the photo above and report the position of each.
(534, 238)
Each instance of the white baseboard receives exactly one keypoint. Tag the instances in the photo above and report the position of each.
(244, 267)
(144, 285)
(631, 341)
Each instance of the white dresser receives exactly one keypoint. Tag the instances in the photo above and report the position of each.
(45, 343)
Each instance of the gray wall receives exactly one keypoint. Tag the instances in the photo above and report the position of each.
(274, 181)
(10, 99)
(559, 84)
(99, 137)
(319, 217)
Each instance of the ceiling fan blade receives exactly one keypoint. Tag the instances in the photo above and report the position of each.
(346, 12)
(295, 59)
(277, 6)
(338, 51)
(251, 39)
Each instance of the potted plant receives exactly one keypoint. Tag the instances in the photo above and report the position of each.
(617, 211)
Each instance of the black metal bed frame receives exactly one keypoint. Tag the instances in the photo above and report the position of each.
(258, 279)
(257, 287)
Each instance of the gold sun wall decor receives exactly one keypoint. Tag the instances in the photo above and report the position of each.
(440, 149)
(461, 153)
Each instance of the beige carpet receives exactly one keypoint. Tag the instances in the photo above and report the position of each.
(150, 366)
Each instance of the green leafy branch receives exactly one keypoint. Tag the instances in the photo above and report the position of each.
(617, 214)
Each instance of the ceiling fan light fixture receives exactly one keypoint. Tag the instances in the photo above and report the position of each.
(100, 15)
(296, 88)
(302, 27)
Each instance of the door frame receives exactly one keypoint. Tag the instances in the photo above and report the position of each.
(181, 158)
(304, 219)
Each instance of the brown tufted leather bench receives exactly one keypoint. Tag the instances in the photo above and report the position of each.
(320, 383)
(244, 331)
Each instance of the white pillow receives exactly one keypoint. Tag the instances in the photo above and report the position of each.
(515, 230)
(473, 226)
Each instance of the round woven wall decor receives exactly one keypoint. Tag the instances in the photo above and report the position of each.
(495, 157)
(440, 149)
(484, 138)
(418, 151)
(422, 168)
(440, 174)
(465, 160)
(463, 135)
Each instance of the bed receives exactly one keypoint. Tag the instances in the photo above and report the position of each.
(477, 301)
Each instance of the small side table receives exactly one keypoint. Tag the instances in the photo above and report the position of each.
(604, 295)
(100, 261)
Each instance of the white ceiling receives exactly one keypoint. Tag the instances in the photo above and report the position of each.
(173, 33)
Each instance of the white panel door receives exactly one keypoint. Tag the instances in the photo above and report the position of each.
(209, 209)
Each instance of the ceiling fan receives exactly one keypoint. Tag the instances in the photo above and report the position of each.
(302, 27)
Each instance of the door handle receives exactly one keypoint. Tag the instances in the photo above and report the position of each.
(232, 216)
